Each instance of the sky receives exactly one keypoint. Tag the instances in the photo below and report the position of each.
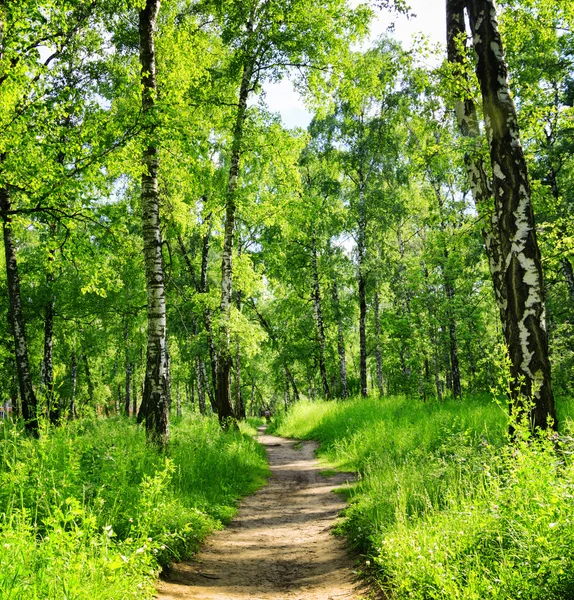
(429, 19)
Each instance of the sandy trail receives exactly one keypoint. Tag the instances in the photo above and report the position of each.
(279, 546)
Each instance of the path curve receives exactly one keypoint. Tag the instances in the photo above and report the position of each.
(279, 546)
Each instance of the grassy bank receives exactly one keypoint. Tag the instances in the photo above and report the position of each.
(445, 508)
(88, 512)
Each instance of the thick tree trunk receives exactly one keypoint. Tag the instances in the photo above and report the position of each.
(224, 362)
(155, 398)
(340, 341)
(27, 396)
(378, 352)
(478, 178)
(362, 284)
(318, 313)
(524, 322)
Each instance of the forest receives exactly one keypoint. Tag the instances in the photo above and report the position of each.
(395, 281)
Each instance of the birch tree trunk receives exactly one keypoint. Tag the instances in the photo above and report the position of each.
(524, 311)
(73, 385)
(224, 361)
(340, 341)
(155, 397)
(48, 358)
(199, 376)
(362, 284)
(378, 352)
(478, 178)
(318, 313)
(27, 396)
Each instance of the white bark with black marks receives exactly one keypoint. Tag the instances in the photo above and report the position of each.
(524, 310)
(155, 398)
(27, 395)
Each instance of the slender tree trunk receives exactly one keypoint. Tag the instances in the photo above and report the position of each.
(478, 178)
(453, 342)
(199, 376)
(340, 341)
(128, 396)
(362, 284)
(155, 398)
(177, 401)
(568, 273)
(48, 359)
(378, 352)
(524, 323)
(134, 395)
(27, 396)
(73, 385)
(318, 312)
(203, 289)
(88, 374)
(224, 362)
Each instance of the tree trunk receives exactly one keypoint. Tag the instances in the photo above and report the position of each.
(203, 288)
(378, 352)
(524, 314)
(478, 178)
(318, 313)
(568, 276)
(199, 377)
(48, 359)
(28, 400)
(155, 398)
(88, 377)
(178, 411)
(340, 341)
(362, 284)
(73, 385)
(128, 397)
(224, 360)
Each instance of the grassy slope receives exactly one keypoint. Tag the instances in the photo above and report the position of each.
(88, 512)
(444, 508)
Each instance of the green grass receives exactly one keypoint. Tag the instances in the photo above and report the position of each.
(89, 512)
(445, 508)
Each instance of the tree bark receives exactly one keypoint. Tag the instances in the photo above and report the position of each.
(155, 398)
(28, 400)
(478, 178)
(340, 341)
(524, 311)
(48, 358)
(318, 313)
(568, 273)
(73, 385)
(199, 377)
(224, 362)
(362, 284)
(378, 352)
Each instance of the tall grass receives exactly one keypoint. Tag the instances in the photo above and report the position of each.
(88, 511)
(445, 508)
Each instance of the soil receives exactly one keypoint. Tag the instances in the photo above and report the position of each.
(280, 545)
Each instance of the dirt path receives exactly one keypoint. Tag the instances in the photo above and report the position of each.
(279, 546)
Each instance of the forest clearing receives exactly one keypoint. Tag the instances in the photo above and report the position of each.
(225, 215)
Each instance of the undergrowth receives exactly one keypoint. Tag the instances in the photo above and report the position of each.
(88, 511)
(445, 507)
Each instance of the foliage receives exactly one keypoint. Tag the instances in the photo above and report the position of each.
(88, 511)
(444, 507)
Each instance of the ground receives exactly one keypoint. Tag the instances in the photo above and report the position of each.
(280, 545)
